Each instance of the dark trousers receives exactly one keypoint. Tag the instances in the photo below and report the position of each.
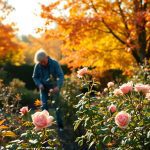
(56, 104)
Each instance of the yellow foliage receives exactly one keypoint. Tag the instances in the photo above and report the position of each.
(102, 53)
(10, 46)
(5, 133)
(37, 103)
(3, 127)
(8, 133)
(102, 34)
(2, 121)
(27, 124)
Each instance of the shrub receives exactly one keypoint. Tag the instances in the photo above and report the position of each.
(126, 127)
(142, 74)
(16, 83)
(17, 128)
(3, 74)
(27, 96)
(9, 98)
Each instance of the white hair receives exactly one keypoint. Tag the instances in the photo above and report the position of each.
(39, 55)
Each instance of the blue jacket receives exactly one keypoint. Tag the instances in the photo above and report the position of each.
(43, 74)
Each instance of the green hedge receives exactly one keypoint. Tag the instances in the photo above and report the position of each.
(23, 72)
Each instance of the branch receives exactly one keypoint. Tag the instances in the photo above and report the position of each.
(110, 30)
(94, 7)
(113, 33)
(98, 30)
(136, 5)
(123, 17)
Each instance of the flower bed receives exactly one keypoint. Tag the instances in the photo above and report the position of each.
(116, 118)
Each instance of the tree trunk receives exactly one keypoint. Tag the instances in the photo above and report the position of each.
(140, 53)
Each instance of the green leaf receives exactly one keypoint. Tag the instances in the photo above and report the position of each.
(106, 139)
(24, 134)
(148, 134)
(33, 141)
(93, 142)
(113, 130)
(80, 142)
(77, 123)
(86, 121)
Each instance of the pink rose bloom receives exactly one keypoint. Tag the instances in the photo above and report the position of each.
(110, 84)
(112, 108)
(105, 89)
(82, 72)
(42, 119)
(142, 88)
(148, 96)
(117, 92)
(24, 110)
(127, 87)
(122, 119)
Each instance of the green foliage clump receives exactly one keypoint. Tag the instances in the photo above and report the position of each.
(101, 130)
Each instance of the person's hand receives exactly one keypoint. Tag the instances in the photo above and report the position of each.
(41, 87)
(56, 89)
(51, 90)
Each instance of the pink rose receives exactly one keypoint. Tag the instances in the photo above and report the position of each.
(105, 89)
(82, 72)
(42, 119)
(112, 108)
(142, 88)
(122, 119)
(117, 92)
(148, 96)
(24, 110)
(127, 87)
(110, 84)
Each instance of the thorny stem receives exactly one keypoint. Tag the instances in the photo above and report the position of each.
(138, 119)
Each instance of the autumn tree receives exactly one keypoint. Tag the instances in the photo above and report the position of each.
(105, 34)
(10, 45)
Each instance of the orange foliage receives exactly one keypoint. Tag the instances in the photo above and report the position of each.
(37, 103)
(102, 34)
(10, 49)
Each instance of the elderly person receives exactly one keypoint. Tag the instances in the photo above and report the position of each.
(48, 77)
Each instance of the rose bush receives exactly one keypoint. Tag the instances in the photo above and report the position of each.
(16, 126)
(117, 118)
(24, 136)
